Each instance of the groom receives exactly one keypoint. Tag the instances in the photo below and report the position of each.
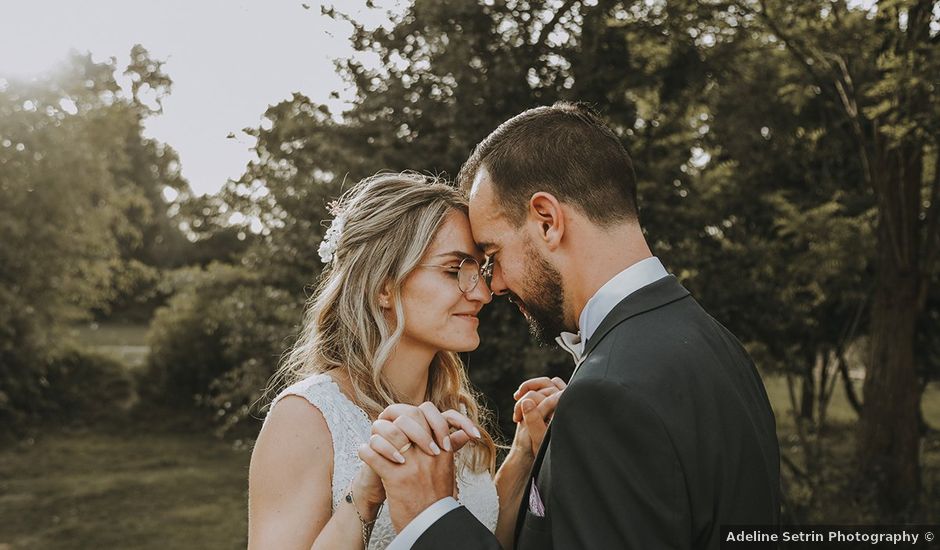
(664, 432)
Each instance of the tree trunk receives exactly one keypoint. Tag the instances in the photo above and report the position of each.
(807, 393)
(889, 437)
(849, 387)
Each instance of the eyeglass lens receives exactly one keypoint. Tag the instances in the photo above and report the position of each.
(468, 276)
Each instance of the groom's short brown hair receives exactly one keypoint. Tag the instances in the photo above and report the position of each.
(565, 150)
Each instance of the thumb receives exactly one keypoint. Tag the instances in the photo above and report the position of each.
(533, 420)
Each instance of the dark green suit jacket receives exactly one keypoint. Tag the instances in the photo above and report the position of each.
(663, 434)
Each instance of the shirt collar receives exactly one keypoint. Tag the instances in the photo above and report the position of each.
(623, 284)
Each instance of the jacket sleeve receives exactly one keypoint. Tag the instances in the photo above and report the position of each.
(457, 530)
(616, 477)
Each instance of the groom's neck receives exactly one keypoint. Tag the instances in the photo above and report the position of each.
(598, 255)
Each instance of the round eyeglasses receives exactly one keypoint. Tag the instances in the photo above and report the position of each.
(468, 273)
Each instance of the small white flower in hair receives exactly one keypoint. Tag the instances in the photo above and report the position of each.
(330, 241)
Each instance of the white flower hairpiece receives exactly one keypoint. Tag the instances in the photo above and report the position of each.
(330, 241)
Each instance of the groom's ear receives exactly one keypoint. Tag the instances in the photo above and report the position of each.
(546, 212)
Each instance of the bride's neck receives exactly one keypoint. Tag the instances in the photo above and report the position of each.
(407, 371)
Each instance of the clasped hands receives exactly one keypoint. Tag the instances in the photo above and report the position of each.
(410, 454)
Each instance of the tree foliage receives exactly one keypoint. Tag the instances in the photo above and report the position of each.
(82, 216)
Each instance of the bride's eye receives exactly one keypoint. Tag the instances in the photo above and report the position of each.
(453, 270)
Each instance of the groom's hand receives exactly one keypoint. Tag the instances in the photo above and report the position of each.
(536, 400)
(536, 390)
(413, 486)
(415, 478)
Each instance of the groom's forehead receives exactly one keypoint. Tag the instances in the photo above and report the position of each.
(481, 189)
(483, 209)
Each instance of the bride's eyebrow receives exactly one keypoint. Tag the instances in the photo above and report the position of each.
(458, 254)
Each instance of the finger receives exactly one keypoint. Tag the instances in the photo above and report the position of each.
(438, 424)
(374, 460)
(517, 409)
(548, 391)
(419, 433)
(388, 450)
(458, 439)
(390, 432)
(532, 384)
(547, 407)
(534, 423)
(398, 409)
(461, 422)
(559, 383)
(393, 435)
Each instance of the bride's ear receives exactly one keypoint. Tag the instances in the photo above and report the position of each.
(385, 296)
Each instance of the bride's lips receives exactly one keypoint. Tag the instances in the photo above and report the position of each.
(472, 317)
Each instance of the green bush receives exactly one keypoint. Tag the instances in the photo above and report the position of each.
(218, 340)
(86, 385)
(71, 384)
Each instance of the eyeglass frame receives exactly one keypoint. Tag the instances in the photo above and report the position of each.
(485, 272)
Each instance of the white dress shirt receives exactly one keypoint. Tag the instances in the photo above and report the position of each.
(620, 286)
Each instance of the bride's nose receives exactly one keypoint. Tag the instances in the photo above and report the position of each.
(481, 292)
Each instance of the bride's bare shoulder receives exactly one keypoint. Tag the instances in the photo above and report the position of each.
(294, 426)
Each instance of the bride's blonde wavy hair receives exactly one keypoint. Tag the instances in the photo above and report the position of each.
(390, 220)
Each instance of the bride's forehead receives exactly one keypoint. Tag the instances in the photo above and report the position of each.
(454, 234)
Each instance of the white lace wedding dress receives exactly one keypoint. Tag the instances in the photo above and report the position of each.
(350, 427)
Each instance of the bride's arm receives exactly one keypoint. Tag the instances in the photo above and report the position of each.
(511, 479)
(289, 485)
(513, 475)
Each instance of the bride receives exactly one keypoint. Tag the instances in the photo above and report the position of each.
(396, 304)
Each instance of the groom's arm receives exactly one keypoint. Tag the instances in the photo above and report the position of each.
(450, 526)
(616, 477)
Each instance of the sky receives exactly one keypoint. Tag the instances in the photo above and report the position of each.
(228, 61)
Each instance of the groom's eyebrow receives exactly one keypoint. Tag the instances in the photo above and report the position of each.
(484, 246)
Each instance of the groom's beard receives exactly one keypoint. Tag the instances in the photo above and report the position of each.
(545, 308)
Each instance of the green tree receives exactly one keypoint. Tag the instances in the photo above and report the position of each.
(877, 69)
(79, 191)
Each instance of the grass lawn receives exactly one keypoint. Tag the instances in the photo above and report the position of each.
(129, 487)
(150, 479)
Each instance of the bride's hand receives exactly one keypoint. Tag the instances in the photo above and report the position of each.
(401, 425)
(536, 400)
(368, 491)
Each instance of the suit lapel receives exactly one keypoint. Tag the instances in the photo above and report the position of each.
(650, 297)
